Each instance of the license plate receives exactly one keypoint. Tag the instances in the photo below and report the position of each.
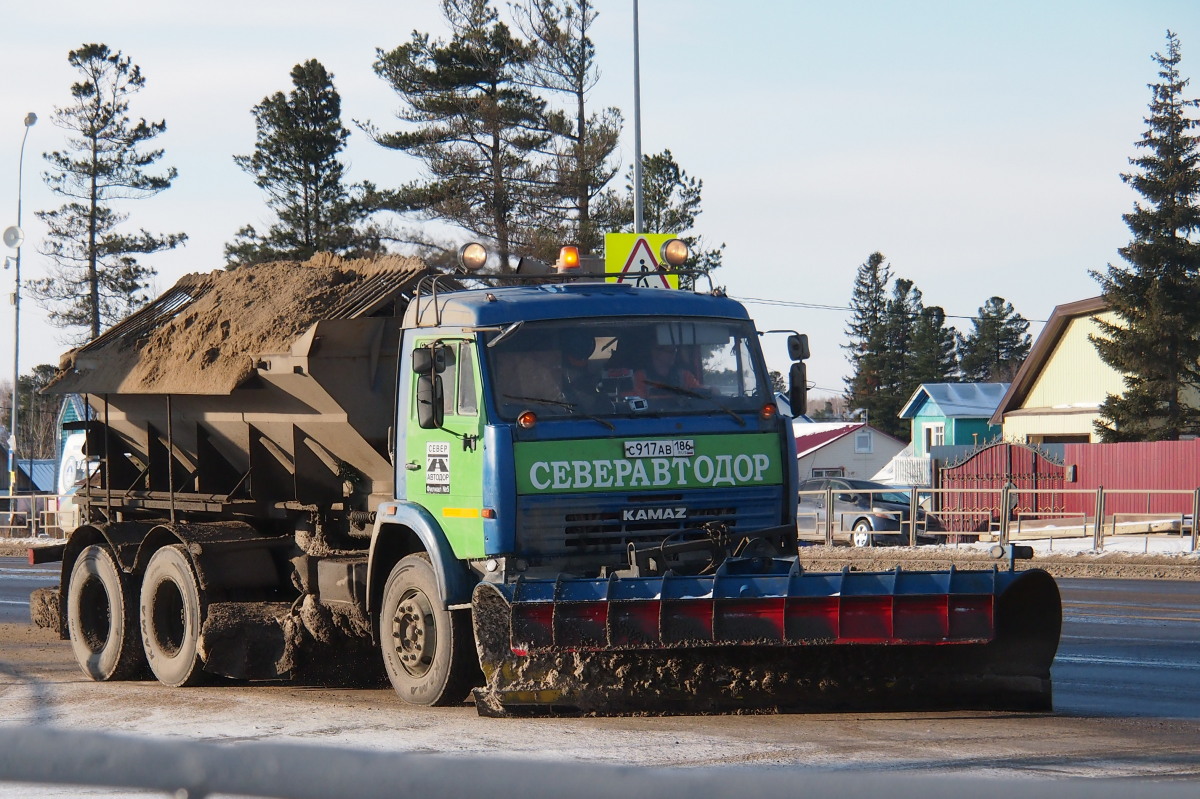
(674, 448)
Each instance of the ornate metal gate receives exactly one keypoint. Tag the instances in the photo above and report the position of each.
(972, 489)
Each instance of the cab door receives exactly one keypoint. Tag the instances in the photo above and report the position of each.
(444, 466)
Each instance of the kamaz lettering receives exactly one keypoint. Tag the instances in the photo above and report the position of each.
(655, 514)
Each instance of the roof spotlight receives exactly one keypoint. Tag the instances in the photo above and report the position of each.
(674, 252)
(472, 257)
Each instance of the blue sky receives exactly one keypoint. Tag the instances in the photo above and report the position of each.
(978, 145)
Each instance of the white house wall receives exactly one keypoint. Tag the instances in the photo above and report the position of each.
(840, 452)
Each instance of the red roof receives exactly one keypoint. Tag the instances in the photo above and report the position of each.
(820, 438)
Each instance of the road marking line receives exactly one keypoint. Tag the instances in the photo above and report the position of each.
(1118, 661)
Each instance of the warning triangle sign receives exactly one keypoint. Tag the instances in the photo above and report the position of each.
(630, 258)
(641, 268)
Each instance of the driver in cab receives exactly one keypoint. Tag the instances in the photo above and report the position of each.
(664, 371)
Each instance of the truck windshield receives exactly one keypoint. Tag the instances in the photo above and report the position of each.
(626, 366)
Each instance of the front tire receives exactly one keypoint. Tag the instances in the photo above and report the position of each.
(428, 651)
(861, 536)
(171, 614)
(102, 620)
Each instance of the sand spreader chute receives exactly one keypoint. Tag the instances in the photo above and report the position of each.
(763, 634)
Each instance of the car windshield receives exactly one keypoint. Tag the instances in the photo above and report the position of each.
(882, 493)
(894, 497)
(626, 366)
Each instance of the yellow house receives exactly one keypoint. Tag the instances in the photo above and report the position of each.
(1056, 395)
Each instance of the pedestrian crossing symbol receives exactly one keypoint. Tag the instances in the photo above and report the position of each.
(633, 258)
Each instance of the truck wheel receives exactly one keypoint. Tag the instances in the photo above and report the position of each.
(102, 618)
(428, 651)
(170, 614)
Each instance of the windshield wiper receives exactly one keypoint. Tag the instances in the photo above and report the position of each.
(561, 404)
(687, 392)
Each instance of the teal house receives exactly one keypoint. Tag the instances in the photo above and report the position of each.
(945, 414)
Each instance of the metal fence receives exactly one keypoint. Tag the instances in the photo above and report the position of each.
(1000, 515)
(36, 516)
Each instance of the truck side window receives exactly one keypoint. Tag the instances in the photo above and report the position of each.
(450, 381)
(468, 394)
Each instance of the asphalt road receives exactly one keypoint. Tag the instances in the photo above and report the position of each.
(1127, 705)
(1129, 647)
(17, 579)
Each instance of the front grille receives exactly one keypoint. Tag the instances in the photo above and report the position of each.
(584, 525)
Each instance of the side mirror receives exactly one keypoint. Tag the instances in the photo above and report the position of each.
(429, 360)
(430, 413)
(797, 344)
(798, 389)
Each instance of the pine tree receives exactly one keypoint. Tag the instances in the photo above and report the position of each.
(295, 161)
(95, 279)
(479, 130)
(998, 343)
(1155, 339)
(867, 347)
(584, 142)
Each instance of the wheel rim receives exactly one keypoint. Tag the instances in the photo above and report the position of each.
(94, 614)
(414, 632)
(170, 623)
(861, 537)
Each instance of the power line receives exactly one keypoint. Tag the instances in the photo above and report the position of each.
(819, 307)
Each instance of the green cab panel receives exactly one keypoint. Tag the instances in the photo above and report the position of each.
(444, 467)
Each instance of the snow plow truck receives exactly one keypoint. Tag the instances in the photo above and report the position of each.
(558, 494)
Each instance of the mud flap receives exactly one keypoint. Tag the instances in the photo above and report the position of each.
(814, 668)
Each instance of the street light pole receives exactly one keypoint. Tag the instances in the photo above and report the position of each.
(30, 119)
(637, 127)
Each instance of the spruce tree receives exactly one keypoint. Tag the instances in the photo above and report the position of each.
(997, 345)
(95, 278)
(934, 357)
(295, 161)
(903, 310)
(1155, 340)
(867, 336)
(479, 130)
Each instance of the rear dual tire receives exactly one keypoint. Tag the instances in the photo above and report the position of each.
(102, 618)
(171, 615)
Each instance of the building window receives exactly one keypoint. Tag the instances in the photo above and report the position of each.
(833, 471)
(863, 443)
(935, 436)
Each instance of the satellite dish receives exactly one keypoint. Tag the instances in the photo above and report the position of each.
(13, 237)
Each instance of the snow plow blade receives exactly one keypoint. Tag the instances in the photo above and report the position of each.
(763, 635)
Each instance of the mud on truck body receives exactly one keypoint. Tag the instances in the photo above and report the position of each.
(495, 491)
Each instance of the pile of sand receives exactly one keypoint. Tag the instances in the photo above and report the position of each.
(210, 344)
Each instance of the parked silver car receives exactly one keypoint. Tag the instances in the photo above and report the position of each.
(874, 513)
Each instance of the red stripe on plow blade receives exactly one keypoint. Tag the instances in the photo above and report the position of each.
(782, 621)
